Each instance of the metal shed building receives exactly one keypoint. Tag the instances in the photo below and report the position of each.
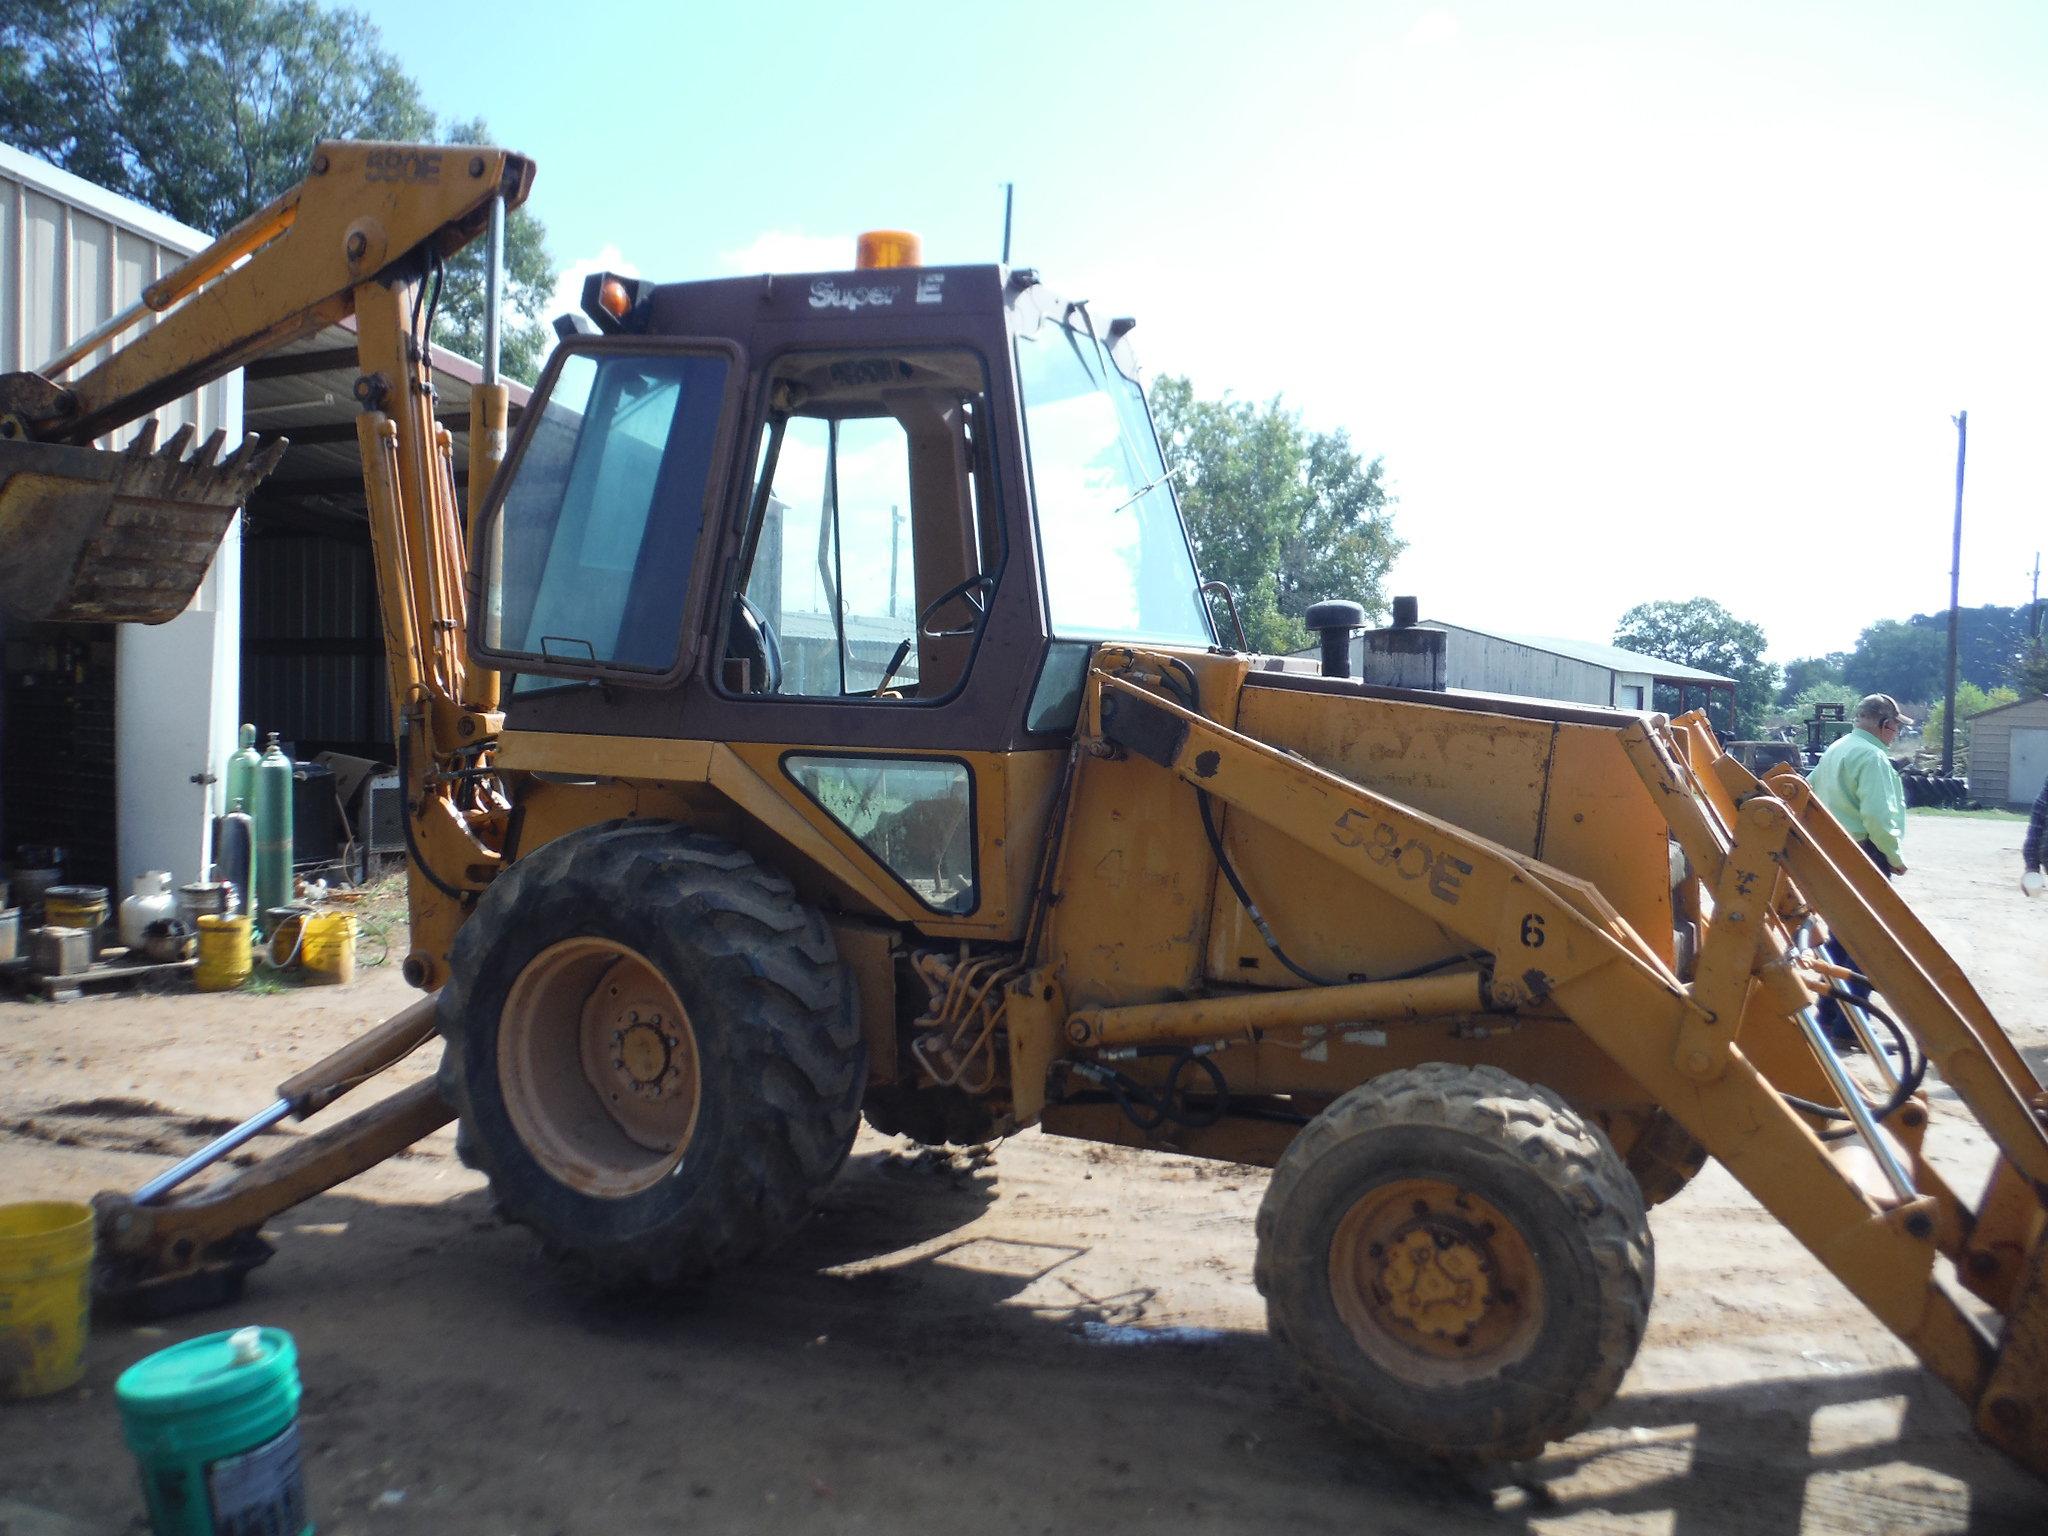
(2009, 752)
(1579, 670)
(1576, 671)
(110, 735)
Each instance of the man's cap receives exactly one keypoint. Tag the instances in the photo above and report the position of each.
(1882, 708)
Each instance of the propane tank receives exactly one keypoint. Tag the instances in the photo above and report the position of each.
(241, 780)
(151, 903)
(272, 813)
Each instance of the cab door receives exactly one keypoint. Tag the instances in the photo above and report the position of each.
(873, 554)
(584, 562)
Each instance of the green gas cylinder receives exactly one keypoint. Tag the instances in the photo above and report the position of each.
(241, 781)
(271, 809)
(214, 1425)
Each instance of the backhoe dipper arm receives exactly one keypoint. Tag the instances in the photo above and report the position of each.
(94, 536)
(365, 208)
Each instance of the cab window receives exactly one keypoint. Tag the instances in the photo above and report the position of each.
(873, 545)
(587, 560)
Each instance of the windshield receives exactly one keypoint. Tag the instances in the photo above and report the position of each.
(1117, 562)
(588, 559)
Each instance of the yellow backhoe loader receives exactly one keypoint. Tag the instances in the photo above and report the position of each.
(822, 714)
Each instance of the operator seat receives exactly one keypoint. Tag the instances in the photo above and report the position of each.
(749, 637)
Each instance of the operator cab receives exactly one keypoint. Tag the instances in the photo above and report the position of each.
(829, 490)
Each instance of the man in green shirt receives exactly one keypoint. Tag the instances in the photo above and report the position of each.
(1855, 780)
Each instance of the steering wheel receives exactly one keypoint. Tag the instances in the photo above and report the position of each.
(975, 590)
(750, 638)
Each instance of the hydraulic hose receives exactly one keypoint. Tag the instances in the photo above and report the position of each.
(1913, 1071)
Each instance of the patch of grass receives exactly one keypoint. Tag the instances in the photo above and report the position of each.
(1987, 814)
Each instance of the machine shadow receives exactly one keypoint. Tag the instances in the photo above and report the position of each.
(889, 1313)
(1699, 1459)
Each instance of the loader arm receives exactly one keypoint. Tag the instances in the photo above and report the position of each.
(1700, 1048)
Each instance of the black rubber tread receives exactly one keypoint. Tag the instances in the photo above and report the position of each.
(1524, 1149)
(779, 1043)
(1665, 1159)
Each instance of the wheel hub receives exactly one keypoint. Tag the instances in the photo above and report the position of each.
(647, 1055)
(598, 1061)
(1434, 1282)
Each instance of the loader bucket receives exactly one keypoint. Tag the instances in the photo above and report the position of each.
(98, 537)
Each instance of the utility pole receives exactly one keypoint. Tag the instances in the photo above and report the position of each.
(2034, 607)
(1955, 612)
(895, 545)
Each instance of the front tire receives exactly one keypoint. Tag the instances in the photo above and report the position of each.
(653, 1048)
(1460, 1263)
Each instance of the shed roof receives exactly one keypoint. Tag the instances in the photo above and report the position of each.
(1999, 709)
(303, 391)
(1612, 657)
(18, 165)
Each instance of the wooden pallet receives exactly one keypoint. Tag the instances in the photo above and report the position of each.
(112, 972)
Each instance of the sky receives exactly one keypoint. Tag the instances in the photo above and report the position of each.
(1635, 301)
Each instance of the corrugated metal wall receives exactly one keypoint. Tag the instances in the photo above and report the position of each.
(1489, 664)
(313, 662)
(65, 268)
(111, 776)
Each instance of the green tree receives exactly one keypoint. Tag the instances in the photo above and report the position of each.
(1699, 632)
(1824, 693)
(1908, 661)
(1807, 672)
(1990, 640)
(2030, 674)
(207, 109)
(1286, 516)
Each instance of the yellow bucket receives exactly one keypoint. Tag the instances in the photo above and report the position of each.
(328, 948)
(224, 961)
(45, 1295)
(77, 906)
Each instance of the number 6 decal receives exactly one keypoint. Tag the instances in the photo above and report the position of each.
(1532, 931)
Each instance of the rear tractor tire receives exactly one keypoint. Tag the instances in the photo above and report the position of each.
(654, 1051)
(1460, 1263)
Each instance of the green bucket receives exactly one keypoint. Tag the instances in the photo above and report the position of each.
(214, 1425)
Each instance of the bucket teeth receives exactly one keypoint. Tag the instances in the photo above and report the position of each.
(268, 459)
(123, 537)
(206, 478)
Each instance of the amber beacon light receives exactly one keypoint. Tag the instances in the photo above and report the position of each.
(889, 248)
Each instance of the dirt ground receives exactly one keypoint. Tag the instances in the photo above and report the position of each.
(1064, 1338)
